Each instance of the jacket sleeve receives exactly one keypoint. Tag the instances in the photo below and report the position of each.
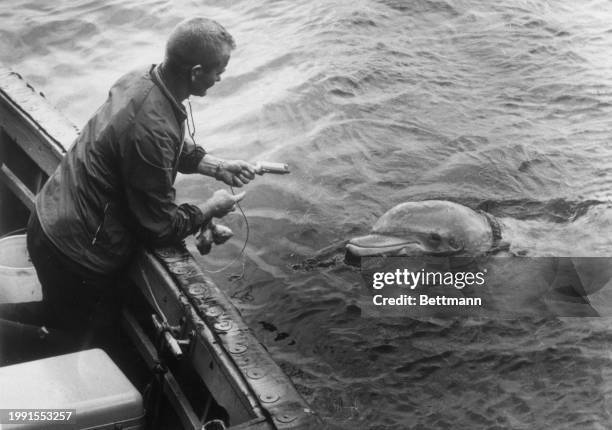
(190, 157)
(147, 165)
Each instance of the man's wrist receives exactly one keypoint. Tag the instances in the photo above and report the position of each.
(210, 166)
(207, 211)
(218, 169)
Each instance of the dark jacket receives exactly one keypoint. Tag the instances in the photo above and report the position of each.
(114, 187)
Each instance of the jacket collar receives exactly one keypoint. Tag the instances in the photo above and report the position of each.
(179, 109)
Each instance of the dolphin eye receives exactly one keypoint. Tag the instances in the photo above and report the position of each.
(453, 243)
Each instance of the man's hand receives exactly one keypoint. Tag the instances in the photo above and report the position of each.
(235, 173)
(220, 204)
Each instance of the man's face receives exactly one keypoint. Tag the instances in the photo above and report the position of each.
(202, 80)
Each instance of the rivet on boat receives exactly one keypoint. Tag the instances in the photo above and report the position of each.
(223, 325)
(180, 269)
(237, 349)
(255, 373)
(179, 263)
(197, 289)
(213, 311)
(285, 418)
(269, 398)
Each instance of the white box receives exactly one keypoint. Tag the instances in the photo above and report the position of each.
(88, 382)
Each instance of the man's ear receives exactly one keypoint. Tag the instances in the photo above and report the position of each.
(196, 71)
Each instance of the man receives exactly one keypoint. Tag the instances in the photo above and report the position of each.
(114, 188)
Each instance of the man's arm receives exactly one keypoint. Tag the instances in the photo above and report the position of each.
(194, 159)
(190, 157)
(147, 169)
(235, 173)
(148, 182)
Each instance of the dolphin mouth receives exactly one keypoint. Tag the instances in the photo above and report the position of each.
(378, 244)
(373, 245)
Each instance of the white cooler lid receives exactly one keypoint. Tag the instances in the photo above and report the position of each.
(87, 381)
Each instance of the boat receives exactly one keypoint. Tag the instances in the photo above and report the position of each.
(202, 365)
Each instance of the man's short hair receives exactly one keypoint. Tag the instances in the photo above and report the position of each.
(198, 41)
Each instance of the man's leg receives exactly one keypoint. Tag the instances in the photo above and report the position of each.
(76, 300)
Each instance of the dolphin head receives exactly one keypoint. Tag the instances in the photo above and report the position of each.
(430, 227)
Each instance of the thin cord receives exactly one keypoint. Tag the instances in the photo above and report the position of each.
(246, 240)
(191, 130)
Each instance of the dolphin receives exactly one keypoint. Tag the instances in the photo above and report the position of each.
(448, 229)
(430, 227)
